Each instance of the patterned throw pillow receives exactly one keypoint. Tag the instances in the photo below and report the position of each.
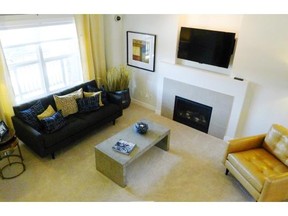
(47, 113)
(30, 115)
(54, 122)
(67, 103)
(93, 94)
(77, 94)
(88, 104)
(103, 93)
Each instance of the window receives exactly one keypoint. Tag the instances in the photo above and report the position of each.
(42, 59)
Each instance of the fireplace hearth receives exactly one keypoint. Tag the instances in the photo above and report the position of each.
(191, 113)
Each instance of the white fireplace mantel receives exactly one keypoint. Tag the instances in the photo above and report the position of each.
(208, 80)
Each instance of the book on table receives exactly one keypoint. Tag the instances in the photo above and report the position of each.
(124, 147)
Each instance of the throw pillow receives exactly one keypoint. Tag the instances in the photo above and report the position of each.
(92, 88)
(88, 104)
(54, 122)
(104, 96)
(67, 103)
(76, 94)
(47, 113)
(30, 115)
(93, 94)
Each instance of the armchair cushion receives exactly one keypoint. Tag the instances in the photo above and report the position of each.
(256, 165)
(276, 142)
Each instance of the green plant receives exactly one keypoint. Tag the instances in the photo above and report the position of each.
(117, 78)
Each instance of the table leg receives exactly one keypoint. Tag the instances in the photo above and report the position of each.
(20, 153)
(164, 143)
(110, 168)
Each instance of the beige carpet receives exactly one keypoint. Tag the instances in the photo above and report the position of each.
(191, 171)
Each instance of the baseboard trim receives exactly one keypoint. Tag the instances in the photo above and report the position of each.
(145, 105)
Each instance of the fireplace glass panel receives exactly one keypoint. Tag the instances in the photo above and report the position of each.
(192, 114)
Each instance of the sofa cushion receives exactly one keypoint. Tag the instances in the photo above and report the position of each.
(88, 104)
(276, 142)
(256, 165)
(30, 115)
(74, 126)
(47, 113)
(100, 115)
(54, 122)
(67, 103)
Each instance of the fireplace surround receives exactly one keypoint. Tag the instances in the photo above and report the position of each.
(225, 94)
(221, 104)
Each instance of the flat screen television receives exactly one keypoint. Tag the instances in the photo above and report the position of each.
(206, 46)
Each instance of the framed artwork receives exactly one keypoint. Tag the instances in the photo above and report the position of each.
(3, 129)
(141, 50)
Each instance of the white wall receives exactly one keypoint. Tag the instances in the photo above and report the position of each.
(260, 58)
(144, 83)
(114, 40)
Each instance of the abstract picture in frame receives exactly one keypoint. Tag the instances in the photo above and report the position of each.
(141, 50)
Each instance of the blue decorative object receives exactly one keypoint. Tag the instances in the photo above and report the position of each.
(141, 127)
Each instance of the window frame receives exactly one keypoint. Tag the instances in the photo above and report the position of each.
(42, 61)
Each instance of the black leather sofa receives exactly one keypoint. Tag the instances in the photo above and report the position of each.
(77, 125)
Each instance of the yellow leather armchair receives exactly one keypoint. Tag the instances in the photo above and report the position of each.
(260, 163)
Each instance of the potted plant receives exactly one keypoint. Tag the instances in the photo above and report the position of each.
(117, 82)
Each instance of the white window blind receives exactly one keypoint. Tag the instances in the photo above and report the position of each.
(42, 56)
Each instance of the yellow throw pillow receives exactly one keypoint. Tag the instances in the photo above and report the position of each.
(67, 103)
(75, 94)
(47, 113)
(92, 94)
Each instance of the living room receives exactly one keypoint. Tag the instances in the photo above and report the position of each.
(258, 59)
(260, 49)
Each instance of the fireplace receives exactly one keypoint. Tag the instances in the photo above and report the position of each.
(193, 114)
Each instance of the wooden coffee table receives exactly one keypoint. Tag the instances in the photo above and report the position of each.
(113, 164)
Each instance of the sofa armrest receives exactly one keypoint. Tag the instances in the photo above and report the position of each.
(23, 128)
(275, 188)
(28, 135)
(114, 98)
(244, 144)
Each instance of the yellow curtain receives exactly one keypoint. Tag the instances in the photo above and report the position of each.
(6, 98)
(90, 29)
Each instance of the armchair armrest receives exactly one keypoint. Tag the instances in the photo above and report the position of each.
(275, 188)
(244, 144)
